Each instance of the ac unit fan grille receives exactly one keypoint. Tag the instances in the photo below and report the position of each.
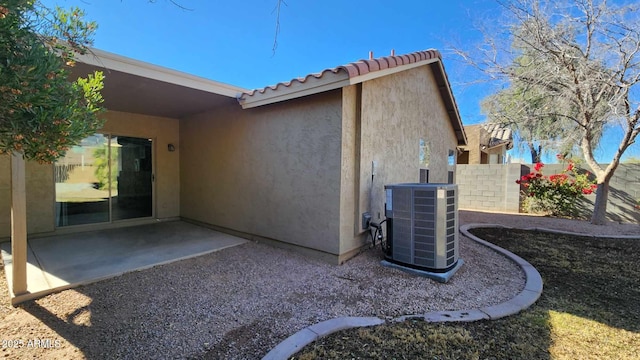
(417, 216)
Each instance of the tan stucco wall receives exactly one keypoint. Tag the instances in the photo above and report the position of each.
(397, 111)
(40, 197)
(476, 135)
(163, 131)
(40, 184)
(271, 171)
(351, 234)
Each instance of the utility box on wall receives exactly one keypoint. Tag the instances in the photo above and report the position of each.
(422, 226)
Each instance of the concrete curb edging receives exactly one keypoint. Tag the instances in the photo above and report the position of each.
(533, 283)
(529, 295)
(561, 232)
(302, 338)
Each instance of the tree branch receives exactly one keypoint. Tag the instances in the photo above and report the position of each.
(277, 9)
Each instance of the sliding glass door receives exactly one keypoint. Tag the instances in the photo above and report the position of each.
(105, 178)
(131, 195)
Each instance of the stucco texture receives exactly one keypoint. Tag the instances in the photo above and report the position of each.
(396, 112)
(40, 197)
(298, 172)
(477, 137)
(163, 131)
(40, 182)
(272, 171)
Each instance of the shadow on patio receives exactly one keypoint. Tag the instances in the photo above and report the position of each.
(65, 261)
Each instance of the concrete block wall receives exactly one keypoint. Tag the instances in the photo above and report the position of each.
(489, 187)
(493, 188)
(624, 193)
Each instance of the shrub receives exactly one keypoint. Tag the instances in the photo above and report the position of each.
(555, 194)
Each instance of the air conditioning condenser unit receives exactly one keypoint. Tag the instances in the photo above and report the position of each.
(422, 228)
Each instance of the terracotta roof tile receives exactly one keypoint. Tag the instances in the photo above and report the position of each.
(362, 67)
(301, 80)
(373, 65)
(382, 62)
(391, 60)
(351, 69)
(357, 69)
(354, 69)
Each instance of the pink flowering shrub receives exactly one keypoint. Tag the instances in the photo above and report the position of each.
(556, 194)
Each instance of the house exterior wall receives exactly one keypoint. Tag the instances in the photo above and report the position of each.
(272, 172)
(496, 155)
(351, 234)
(395, 112)
(40, 181)
(40, 197)
(163, 131)
(476, 136)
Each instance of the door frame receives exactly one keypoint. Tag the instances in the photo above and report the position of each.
(111, 223)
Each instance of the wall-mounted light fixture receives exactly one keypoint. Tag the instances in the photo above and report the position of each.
(171, 147)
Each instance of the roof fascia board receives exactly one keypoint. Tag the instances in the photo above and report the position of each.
(333, 81)
(380, 73)
(310, 87)
(115, 62)
(456, 112)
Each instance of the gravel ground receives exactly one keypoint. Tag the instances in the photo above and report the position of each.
(240, 302)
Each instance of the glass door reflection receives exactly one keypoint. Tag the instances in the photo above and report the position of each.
(104, 179)
(132, 188)
(82, 184)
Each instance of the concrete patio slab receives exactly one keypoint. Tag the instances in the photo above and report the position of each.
(64, 261)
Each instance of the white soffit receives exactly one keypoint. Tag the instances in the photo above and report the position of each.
(111, 61)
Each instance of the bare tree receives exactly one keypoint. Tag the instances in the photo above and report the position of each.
(524, 110)
(581, 55)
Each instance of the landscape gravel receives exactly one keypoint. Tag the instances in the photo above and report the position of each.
(240, 302)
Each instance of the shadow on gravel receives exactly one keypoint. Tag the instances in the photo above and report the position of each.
(134, 316)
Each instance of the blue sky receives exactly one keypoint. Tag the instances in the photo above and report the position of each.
(232, 41)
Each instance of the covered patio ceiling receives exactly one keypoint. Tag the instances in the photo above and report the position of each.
(142, 88)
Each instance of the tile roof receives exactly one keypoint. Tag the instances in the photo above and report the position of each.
(354, 69)
(357, 72)
(499, 135)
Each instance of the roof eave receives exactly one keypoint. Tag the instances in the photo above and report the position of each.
(111, 61)
(389, 71)
(327, 82)
(450, 102)
(310, 86)
(356, 73)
